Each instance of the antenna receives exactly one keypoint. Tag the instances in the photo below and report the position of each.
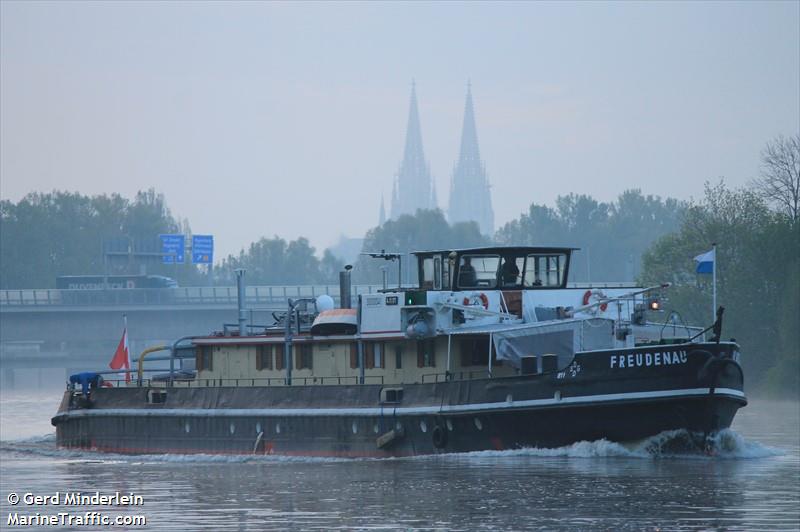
(392, 256)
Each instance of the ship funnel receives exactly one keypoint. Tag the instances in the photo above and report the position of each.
(344, 287)
(240, 295)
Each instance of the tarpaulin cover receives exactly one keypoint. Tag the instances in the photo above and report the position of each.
(563, 338)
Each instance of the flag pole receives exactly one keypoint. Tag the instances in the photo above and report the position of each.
(127, 346)
(714, 283)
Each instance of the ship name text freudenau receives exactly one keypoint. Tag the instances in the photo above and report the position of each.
(637, 360)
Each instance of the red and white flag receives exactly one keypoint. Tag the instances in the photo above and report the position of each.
(122, 357)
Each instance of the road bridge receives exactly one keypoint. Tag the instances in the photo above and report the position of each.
(46, 335)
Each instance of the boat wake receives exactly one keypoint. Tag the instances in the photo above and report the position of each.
(726, 444)
(675, 444)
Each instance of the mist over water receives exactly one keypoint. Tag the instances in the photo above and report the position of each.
(749, 482)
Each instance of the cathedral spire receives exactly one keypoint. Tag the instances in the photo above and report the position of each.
(413, 153)
(470, 196)
(469, 134)
(413, 185)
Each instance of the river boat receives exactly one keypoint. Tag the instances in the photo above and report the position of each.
(492, 349)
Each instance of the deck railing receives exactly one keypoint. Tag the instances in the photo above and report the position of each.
(178, 382)
(220, 383)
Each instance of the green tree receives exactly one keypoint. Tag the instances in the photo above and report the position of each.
(757, 264)
(45, 235)
(425, 230)
(611, 237)
(273, 261)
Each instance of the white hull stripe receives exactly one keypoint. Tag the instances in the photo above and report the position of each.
(399, 411)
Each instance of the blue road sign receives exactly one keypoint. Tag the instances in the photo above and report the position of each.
(173, 247)
(202, 249)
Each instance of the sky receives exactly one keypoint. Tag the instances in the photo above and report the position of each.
(261, 119)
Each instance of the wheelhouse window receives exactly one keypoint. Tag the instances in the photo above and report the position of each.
(478, 271)
(435, 273)
(511, 271)
(427, 281)
(545, 270)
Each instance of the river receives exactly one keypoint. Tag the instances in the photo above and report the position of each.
(752, 482)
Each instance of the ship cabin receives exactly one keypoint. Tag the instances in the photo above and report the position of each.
(447, 327)
(494, 268)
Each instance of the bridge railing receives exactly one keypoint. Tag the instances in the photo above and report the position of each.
(192, 295)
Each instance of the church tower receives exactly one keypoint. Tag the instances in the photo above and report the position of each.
(470, 195)
(412, 187)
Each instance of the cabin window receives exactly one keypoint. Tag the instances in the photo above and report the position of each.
(279, 350)
(353, 355)
(475, 351)
(398, 357)
(391, 395)
(545, 270)
(426, 356)
(437, 273)
(204, 359)
(374, 355)
(264, 357)
(156, 397)
(305, 357)
(478, 271)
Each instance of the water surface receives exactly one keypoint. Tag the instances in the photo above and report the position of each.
(752, 482)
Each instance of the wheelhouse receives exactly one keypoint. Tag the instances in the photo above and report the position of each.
(494, 268)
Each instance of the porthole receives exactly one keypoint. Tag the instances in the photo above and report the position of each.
(423, 426)
(187, 428)
(398, 426)
(478, 424)
(557, 395)
(258, 428)
(509, 398)
(449, 425)
(376, 428)
(232, 428)
(354, 427)
(277, 428)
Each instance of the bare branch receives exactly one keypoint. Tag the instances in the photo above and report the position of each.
(779, 183)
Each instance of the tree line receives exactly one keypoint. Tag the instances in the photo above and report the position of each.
(637, 236)
(45, 235)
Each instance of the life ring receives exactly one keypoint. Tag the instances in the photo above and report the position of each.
(484, 300)
(439, 437)
(587, 296)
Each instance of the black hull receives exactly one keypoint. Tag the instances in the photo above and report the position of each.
(549, 410)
